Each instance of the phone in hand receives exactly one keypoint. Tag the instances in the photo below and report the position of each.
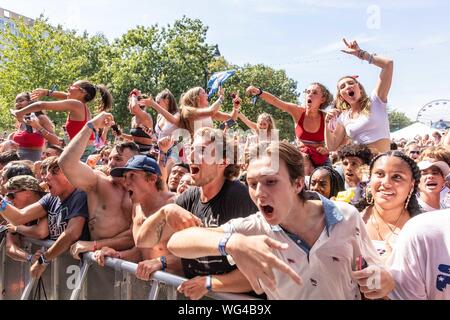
(360, 263)
(229, 123)
(116, 129)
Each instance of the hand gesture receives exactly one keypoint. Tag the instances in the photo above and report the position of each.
(254, 257)
(16, 113)
(146, 268)
(194, 288)
(12, 228)
(352, 48)
(38, 93)
(102, 120)
(252, 91)
(165, 144)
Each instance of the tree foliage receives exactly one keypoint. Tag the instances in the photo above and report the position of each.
(151, 58)
(398, 120)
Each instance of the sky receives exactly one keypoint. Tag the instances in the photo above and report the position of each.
(303, 37)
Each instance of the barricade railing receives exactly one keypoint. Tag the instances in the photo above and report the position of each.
(121, 267)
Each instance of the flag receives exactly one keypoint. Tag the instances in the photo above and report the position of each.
(217, 80)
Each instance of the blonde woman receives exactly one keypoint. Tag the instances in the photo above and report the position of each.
(359, 117)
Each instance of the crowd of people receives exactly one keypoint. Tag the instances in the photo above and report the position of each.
(342, 212)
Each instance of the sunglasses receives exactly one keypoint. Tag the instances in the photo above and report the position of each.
(416, 152)
(12, 194)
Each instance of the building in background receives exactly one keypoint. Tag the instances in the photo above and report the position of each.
(7, 19)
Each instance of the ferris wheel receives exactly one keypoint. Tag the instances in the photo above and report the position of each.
(435, 114)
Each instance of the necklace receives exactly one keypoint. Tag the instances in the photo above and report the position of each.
(377, 224)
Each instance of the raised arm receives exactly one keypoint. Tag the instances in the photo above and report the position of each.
(37, 231)
(142, 116)
(39, 93)
(248, 122)
(79, 174)
(334, 138)
(21, 216)
(174, 119)
(387, 67)
(71, 105)
(293, 109)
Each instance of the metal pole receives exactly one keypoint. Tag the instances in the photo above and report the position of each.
(80, 281)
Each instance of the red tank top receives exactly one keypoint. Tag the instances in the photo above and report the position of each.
(302, 134)
(29, 140)
(75, 126)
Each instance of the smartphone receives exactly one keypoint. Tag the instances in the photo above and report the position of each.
(229, 123)
(360, 263)
(116, 129)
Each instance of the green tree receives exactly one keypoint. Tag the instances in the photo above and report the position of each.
(154, 58)
(42, 56)
(398, 120)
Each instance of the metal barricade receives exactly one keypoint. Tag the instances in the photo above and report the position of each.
(67, 278)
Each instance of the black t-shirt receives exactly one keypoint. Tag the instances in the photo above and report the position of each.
(232, 201)
(59, 213)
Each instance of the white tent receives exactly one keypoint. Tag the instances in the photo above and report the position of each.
(411, 131)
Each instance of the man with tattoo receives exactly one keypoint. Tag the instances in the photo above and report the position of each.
(215, 199)
(146, 189)
(108, 200)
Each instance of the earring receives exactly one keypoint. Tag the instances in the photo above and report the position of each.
(409, 198)
(369, 198)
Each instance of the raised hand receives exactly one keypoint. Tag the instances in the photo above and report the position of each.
(352, 48)
(252, 91)
(38, 93)
(102, 120)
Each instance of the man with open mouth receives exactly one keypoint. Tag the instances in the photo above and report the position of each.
(432, 181)
(214, 199)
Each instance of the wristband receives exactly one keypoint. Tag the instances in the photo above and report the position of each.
(223, 244)
(259, 93)
(163, 261)
(3, 204)
(208, 283)
(29, 257)
(42, 260)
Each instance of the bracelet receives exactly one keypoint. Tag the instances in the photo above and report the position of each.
(3, 204)
(223, 243)
(42, 130)
(29, 257)
(259, 93)
(361, 54)
(90, 125)
(163, 261)
(42, 260)
(371, 57)
(208, 283)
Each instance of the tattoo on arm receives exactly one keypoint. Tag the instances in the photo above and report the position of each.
(159, 230)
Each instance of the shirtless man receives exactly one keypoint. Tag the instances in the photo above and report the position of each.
(108, 201)
(145, 186)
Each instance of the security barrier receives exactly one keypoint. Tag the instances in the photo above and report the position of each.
(69, 279)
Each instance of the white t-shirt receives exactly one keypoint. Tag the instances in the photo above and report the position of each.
(426, 207)
(326, 268)
(367, 129)
(420, 262)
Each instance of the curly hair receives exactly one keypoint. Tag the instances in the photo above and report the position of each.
(336, 182)
(356, 150)
(413, 206)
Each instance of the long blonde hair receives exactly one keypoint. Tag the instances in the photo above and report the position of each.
(188, 106)
(365, 102)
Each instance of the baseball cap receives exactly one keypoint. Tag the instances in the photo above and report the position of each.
(138, 162)
(443, 166)
(23, 182)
